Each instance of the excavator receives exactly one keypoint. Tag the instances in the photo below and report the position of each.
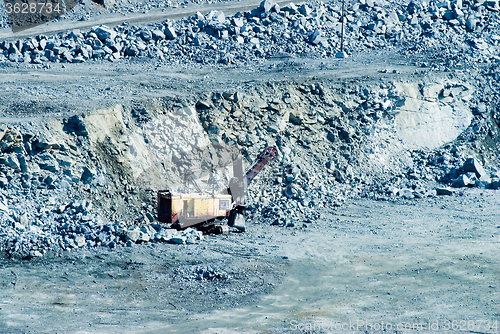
(200, 210)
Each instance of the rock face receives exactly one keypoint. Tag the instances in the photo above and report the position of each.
(425, 122)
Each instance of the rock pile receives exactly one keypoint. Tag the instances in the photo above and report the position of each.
(475, 175)
(324, 138)
(460, 32)
(44, 204)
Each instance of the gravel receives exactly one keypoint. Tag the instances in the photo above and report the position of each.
(455, 34)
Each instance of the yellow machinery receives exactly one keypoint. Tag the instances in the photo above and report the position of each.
(185, 210)
(191, 209)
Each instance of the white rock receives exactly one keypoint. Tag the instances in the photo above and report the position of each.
(4, 207)
(104, 32)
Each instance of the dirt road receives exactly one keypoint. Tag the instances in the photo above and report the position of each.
(414, 263)
(33, 91)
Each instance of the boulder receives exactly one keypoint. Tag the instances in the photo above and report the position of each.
(170, 32)
(462, 181)
(76, 125)
(492, 5)
(88, 175)
(133, 235)
(178, 240)
(80, 241)
(10, 161)
(316, 37)
(131, 51)
(157, 35)
(238, 22)
(43, 142)
(473, 165)
(444, 191)
(406, 193)
(48, 162)
(266, 6)
(413, 7)
(305, 10)
(290, 8)
(103, 33)
(64, 161)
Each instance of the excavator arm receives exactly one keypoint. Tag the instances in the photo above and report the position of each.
(239, 183)
(269, 154)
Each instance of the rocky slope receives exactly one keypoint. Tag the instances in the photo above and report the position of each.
(91, 180)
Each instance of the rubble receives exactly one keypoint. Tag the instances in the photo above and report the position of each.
(268, 30)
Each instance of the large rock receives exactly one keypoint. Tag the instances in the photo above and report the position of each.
(158, 35)
(9, 138)
(88, 175)
(492, 5)
(413, 7)
(305, 10)
(316, 37)
(103, 33)
(131, 51)
(238, 22)
(48, 162)
(471, 23)
(444, 191)
(462, 181)
(64, 161)
(406, 193)
(133, 235)
(80, 241)
(290, 8)
(473, 165)
(10, 161)
(170, 32)
(266, 5)
(43, 142)
(216, 16)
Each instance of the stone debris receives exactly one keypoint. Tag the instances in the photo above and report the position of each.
(475, 175)
(202, 273)
(311, 28)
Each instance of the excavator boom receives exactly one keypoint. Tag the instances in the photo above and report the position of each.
(269, 154)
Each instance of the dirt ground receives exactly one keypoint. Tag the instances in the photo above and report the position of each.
(375, 264)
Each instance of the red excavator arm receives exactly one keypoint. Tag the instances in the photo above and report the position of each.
(239, 183)
(269, 154)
